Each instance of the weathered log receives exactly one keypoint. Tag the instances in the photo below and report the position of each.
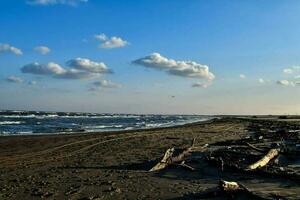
(184, 154)
(264, 160)
(168, 158)
(165, 161)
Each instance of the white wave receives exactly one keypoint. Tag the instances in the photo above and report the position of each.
(25, 133)
(103, 126)
(17, 116)
(46, 116)
(154, 125)
(11, 122)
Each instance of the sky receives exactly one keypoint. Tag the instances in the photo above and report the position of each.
(151, 56)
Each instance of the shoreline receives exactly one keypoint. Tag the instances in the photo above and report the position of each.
(114, 165)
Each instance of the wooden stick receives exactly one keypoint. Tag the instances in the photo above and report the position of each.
(168, 158)
(264, 160)
(182, 164)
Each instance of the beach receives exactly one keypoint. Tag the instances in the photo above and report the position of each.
(115, 165)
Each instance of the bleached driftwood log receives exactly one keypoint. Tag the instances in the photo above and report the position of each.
(169, 159)
(165, 161)
(264, 160)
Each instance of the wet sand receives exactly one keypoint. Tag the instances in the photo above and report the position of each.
(114, 165)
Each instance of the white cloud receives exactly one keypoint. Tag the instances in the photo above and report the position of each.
(88, 65)
(242, 76)
(188, 69)
(54, 2)
(101, 37)
(42, 50)
(104, 84)
(110, 43)
(9, 48)
(49, 69)
(79, 68)
(285, 83)
(114, 42)
(14, 79)
(291, 70)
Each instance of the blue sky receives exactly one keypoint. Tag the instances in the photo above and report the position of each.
(166, 56)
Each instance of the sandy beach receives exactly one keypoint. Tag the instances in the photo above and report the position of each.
(114, 165)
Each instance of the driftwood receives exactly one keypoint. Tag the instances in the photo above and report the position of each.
(231, 186)
(230, 189)
(182, 164)
(264, 160)
(179, 160)
(165, 161)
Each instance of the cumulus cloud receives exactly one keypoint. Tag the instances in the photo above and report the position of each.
(8, 48)
(114, 42)
(104, 84)
(78, 68)
(14, 79)
(261, 80)
(187, 69)
(291, 70)
(242, 76)
(88, 65)
(40, 69)
(42, 50)
(54, 2)
(110, 43)
(286, 83)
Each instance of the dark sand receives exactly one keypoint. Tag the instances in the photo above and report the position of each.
(114, 165)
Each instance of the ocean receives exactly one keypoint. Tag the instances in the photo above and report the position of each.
(34, 122)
